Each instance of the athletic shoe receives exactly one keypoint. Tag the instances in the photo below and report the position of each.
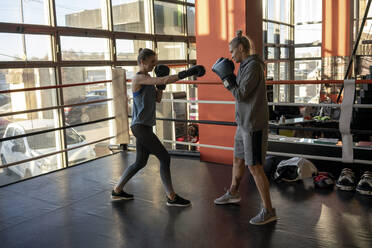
(228, 198)
(346, 181)
(178, 201)
(365, 184)
(121, 195)
(324, 180)
(264, 217)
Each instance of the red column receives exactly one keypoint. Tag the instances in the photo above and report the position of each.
(336, 28)
(216, 24)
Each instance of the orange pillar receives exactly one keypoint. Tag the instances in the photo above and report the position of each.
(336, 37)
(216, 24)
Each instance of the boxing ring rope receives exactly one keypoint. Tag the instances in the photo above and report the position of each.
(58, 128)
(55, 153)
(298, 82)
(332, 105)
(283, 154)
(53, 87)
(271, 126)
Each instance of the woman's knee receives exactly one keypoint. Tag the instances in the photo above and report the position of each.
(139, 164)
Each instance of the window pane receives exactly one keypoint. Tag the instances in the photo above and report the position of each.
(131, 16)
(309, 33)
(307, 93)
(271, 10)
(284, 53)
(191, 21)
(365, 49)
(38, 47)
(30, 169)
(86, 93)
(82, 13)
(128, 49)
(279, 10)
(308, 69)
(271, 52)
(12, 47)
(131, 71)
(32, 146)
(169, 18)
(87, 111)
(171, 50)
(284, 71)
(272, 71)
(285, 35)
(34, 12)
(20, 47)
(307, 52)
(308, 11)
(192, 54)
(85, 134)
(270, 33)
(285, 11)
(27, 78)
(83, 48)
(71, 75)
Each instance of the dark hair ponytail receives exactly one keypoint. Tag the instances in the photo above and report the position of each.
(144, 53)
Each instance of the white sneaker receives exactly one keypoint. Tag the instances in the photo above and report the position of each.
(264, 217)
(228, 198)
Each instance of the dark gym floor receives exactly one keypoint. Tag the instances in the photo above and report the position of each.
(72, 208)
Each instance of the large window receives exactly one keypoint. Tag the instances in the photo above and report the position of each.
(169, 18)
(30, 12)
(75, 44)
(308, 40)
(278, 44)
(21, 47)
(132, 16)
(82, 13)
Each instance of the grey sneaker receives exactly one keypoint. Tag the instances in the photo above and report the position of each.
(228, 198)
(264, 217)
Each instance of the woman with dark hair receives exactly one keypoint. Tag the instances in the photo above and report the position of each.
(251, 115)
(147, 91)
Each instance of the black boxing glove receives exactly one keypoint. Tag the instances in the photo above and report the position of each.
(161, 71)
(197, 70)
(224, 68)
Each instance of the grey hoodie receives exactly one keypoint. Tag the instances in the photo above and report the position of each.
(251, 109)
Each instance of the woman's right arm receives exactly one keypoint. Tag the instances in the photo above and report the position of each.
(147, 80)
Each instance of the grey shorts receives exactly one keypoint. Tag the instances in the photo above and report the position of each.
(251, 145)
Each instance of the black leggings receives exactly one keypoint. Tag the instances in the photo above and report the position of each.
(148, 143)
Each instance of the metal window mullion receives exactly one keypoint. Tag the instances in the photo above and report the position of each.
(185, 22)
(25, 64)
(110, 22)
(58, 78)
(291, 53)
(308, 58)
(277, 22)
(133, 36)
(22, 28)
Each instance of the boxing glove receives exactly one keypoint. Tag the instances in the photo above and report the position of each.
(161, 71)
(224, 68)
(197, 70)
